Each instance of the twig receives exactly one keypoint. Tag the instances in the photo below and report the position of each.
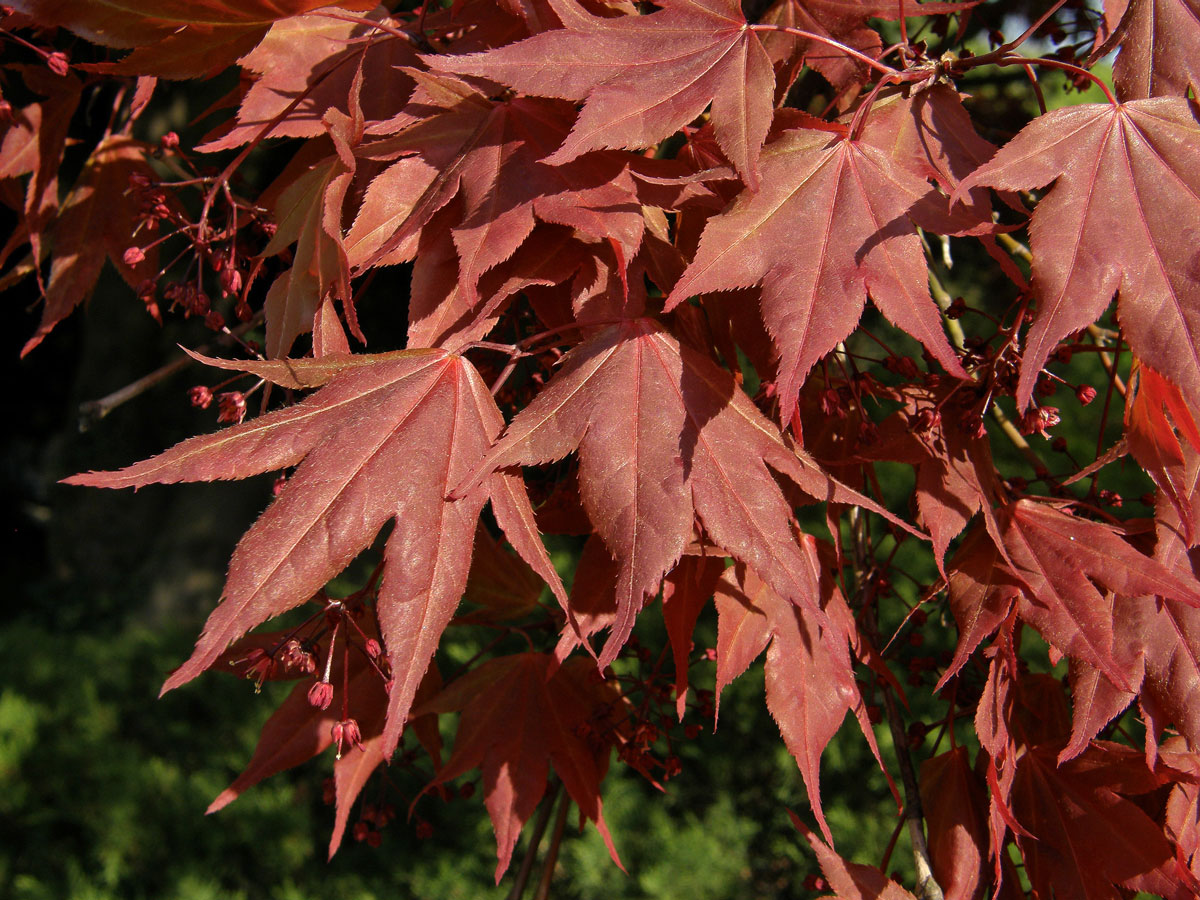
(535, 841)
(927, 886)
(548, 864)
(830, 42)
(92, 411)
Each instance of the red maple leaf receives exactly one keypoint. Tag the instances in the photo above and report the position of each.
(850, 881)
(641, 78)
(173, 38)
(311, 61)
(520, 714)
(1160, 47)
(810, 682)
(97, 222)
(463, 144)
(954, 801)
(664, 434)
(385, 439)
(1122, 217)
(1071, 568)
(850, 199)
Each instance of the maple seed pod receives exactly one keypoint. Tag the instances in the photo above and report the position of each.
(320, 695)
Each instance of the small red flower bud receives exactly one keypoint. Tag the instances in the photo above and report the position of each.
(320, 695)
(345, 732)
(373, 648)
(361, 830)
(925, 419)
(232, 406)
(133, 256)
(1085, 394)
(424, 830)
(831, 403)
(169, 141)
(214, 320)
(6, 112)
(231, 280)
(1059, 444)
(200, 396)
(58, 63)
(374, 839)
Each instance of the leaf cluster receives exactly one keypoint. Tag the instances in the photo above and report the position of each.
(688, 294)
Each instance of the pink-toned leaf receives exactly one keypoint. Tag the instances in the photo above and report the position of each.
(851, 199)
(1066, 562)
(386, 439)
(664, 434)
(809, 677)
(1122, 217)
(850, 881)
(1160, 48)
(641, 78)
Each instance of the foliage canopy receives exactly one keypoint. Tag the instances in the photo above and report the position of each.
(775, 300)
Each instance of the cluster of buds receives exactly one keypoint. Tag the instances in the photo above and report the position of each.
(151, 200)
(189, 298)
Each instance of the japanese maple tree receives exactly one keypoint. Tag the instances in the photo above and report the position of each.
(775, 316)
